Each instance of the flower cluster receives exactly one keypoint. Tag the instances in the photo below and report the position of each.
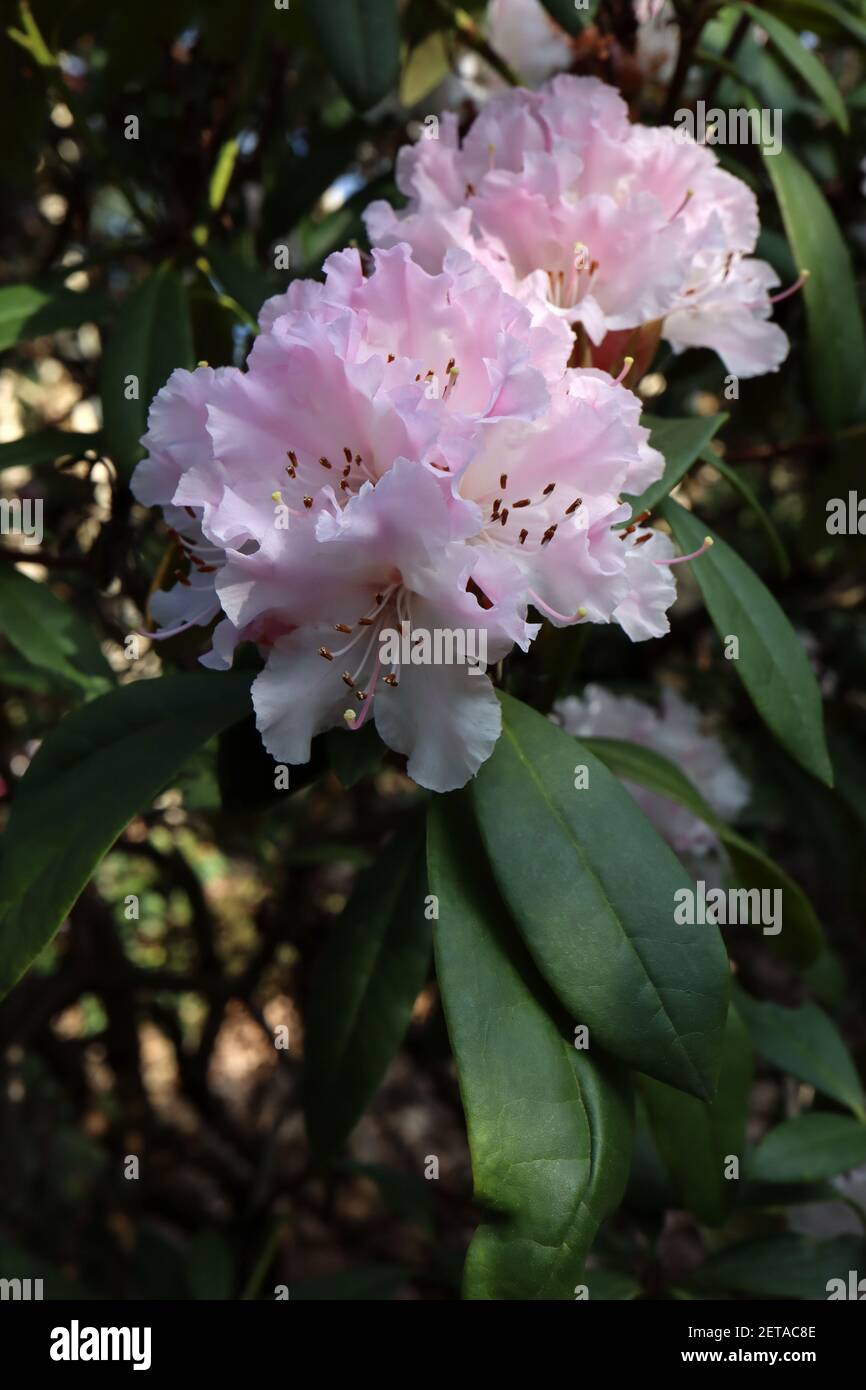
(676, 731)
(627, 232)
(403, 447)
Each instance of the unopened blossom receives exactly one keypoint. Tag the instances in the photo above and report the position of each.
(676, 731)
(623, 231)
(402, 448)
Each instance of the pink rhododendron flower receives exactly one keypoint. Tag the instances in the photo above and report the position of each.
(613, 227)
(676, 731)
(402, 448)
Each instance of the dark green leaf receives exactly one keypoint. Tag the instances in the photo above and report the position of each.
(802, 60)
(365, 1284)
(836, 338)
(680, 441)
(801, 938)
(592, 886)
(807, 1148)
(783, 1266)
(26, 311)
(737, 481)
(772, 662)
(103, 763)
(361, 42)
(549, 1125)
(209, 1272)
(805, 1043)
(152, 336)
(354, 755)
(371, 972)
(34, 450)
(50, 633)
(697, 1139)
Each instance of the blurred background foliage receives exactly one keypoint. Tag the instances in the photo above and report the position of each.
(261, 134)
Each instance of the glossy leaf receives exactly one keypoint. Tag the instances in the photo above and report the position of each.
(804, 62)
(782, 1266)
(549, 1126)
(372, 970)
(772, 662)
(591, 887)
(51, 634)
(837, 342)
(805, 1043)
(809, 1147)
(102, 764)
(361, 43)
(36, 450)
(697, 1139)
(28, 311)
(801, 938)
(152, 336)
(681, 442)
(738, 482)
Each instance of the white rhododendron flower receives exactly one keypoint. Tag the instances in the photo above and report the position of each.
(675, 730)
(403, 448)
(624, 231)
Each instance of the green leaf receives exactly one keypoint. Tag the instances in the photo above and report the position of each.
(772, 663)
(807, 1148)
(801, 939)
(591, 887)
(101, 765)
(353, 756)
(570, 17)
(783, 1266)
(50, 633)
(837, 342)
(152, 336)
(737, 481)
(607, 1285)
(822, 17)
(696, 1139)
(549, 1126)
(805, 1043)
(680, 442)
(26, 311)
(370, 973)
(34, 450)
(209, 1271)
(364, 1284)
(428, 64)
(803, 61)
(361, 43)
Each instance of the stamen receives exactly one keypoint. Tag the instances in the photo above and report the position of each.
(560, 617)
(183, 579)
(324, 462)
(503, 515)
(347, 455)
(627, 364)
(391, 680)
(524, 502)
(342, 627)
(578, 501)
(503, 481)
(792, 289)
(548, 490)
(308, 502)
(683, 559)
(348, 679)
(368, 697)
(323, 651)
(524, 533)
